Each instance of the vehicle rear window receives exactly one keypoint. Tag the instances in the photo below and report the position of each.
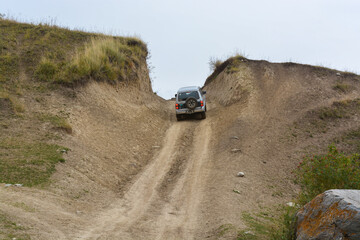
(185, 95)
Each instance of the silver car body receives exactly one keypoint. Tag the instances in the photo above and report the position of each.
(192, 91)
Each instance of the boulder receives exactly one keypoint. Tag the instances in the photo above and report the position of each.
(334, 214)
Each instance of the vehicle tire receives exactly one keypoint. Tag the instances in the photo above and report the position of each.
(203, 115)
(191, 103)
(179, 117)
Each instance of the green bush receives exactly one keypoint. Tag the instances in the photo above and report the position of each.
(333, 170)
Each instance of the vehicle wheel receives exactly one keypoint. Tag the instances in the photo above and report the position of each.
(203, 115)
(179, 117)
(191, 103)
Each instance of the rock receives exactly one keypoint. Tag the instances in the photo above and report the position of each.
(235, 137)
(63, 151)
(338, 74)
(8, 185)
(290, 204)
(18, 185)
(334, 214)
(236, 191)
(240, 174)
(235, 150)
(155, 146)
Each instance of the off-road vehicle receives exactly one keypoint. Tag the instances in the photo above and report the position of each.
(190, 100)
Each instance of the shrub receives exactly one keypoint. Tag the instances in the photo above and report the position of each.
(214, 63)
(106, 58)
(333, 170)
(46, 70)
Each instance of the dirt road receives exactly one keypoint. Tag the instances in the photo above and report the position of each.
(163, 201)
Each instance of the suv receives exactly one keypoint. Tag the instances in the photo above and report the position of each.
(190, 100)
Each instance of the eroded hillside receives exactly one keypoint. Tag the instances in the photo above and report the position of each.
(100, 156)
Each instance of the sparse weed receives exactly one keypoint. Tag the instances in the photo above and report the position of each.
(214, 63)
(56, 121)
(331, 113)
(16, 106)
(10, 230)
(275, 224)
(342, 87)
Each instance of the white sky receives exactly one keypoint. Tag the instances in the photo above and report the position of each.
(182, 35)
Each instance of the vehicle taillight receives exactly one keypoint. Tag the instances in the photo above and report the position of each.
(177, 106)
(202, 103)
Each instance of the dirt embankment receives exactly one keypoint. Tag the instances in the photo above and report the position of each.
(275, 113)
(132, 171)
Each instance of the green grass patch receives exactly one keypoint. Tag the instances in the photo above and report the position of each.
(57, 121)
(275, 224)
(28, 163)
(46, 70)
(333, 170)
(102, 59)
(9, 230)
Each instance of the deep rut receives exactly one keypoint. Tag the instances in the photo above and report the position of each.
(162, 203)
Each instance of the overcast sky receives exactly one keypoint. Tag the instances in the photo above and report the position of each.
(182, 35)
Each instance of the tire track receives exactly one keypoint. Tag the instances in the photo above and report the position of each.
(136, 215)
(180, 217)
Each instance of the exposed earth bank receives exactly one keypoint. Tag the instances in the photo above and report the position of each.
(133, 172)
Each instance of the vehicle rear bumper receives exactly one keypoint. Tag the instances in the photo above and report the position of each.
(187, 111)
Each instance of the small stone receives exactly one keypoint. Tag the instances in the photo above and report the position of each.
(264, 162)
(338, 74)
(8, 185)
(236, 191)
(18, 185)
(235, 150)
(78, 212)
(240, 174)
(235, 137)
(290, 204)
(63, 151)
(155, 146)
